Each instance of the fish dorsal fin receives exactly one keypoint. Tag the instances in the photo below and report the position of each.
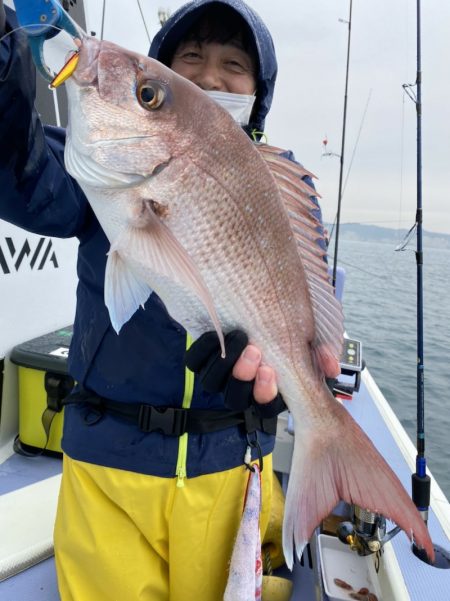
(297, 197)
(151, 243)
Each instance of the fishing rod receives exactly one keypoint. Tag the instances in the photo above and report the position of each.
(341, 157)
(420, 480)
(366, 533)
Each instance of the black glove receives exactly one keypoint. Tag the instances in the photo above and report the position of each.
(204, 358)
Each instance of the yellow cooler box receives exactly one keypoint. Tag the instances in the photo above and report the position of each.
(43, 384)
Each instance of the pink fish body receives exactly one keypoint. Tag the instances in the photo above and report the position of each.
(222, 230)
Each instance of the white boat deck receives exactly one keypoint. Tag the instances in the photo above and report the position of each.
(28, 495)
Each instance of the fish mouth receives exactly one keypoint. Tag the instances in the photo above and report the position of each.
(101, 61)
(86, 72)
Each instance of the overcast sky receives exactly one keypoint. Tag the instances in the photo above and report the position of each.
(311, 47)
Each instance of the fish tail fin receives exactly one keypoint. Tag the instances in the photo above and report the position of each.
(341, 463)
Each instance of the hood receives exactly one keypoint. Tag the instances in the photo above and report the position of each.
(177, 25)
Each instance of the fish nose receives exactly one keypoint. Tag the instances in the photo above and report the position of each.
(86, 72)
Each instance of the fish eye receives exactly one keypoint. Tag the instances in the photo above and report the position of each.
(150, 95)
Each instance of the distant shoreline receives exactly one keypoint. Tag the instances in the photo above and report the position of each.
(372, 233)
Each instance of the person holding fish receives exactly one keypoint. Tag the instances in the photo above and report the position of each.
(181, 229)
(147, 515)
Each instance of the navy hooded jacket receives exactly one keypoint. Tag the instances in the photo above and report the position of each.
(167, 38)
(144, 363)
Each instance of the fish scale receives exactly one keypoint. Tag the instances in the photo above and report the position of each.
(224, 232)
(212, 247)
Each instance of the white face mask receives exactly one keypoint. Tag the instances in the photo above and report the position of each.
(238, 105)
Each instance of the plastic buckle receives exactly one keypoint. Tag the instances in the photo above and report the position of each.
(57, 388)
(168, 420)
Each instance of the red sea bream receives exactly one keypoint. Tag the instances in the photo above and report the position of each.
(222, 230)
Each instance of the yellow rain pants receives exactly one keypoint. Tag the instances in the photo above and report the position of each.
(123, 536)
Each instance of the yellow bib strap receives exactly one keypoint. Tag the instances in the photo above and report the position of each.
(188, 379)
(187, 400)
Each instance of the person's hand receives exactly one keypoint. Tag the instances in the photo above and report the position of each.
(240, 375)
(248, 368)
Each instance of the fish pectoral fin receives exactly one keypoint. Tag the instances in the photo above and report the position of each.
(124, 291)
(154, 246)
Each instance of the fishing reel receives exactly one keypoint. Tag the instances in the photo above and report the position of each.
(366, 533)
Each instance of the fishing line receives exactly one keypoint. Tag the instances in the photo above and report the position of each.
(103, 19)
(372, 222)
(63, 44)
(357, 141)
(374, 275)
(102, 29)
(31, 25)
(402, 153)
(402, 138)
(351, 160)
(143, 21)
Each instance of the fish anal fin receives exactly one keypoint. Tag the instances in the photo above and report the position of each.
(343, 464)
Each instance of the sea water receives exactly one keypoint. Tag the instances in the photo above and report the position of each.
(379, 304)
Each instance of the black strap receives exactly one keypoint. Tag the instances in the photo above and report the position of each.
(57, 387)
(174, 421)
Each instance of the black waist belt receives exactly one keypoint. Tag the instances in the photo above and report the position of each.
(175, 421)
